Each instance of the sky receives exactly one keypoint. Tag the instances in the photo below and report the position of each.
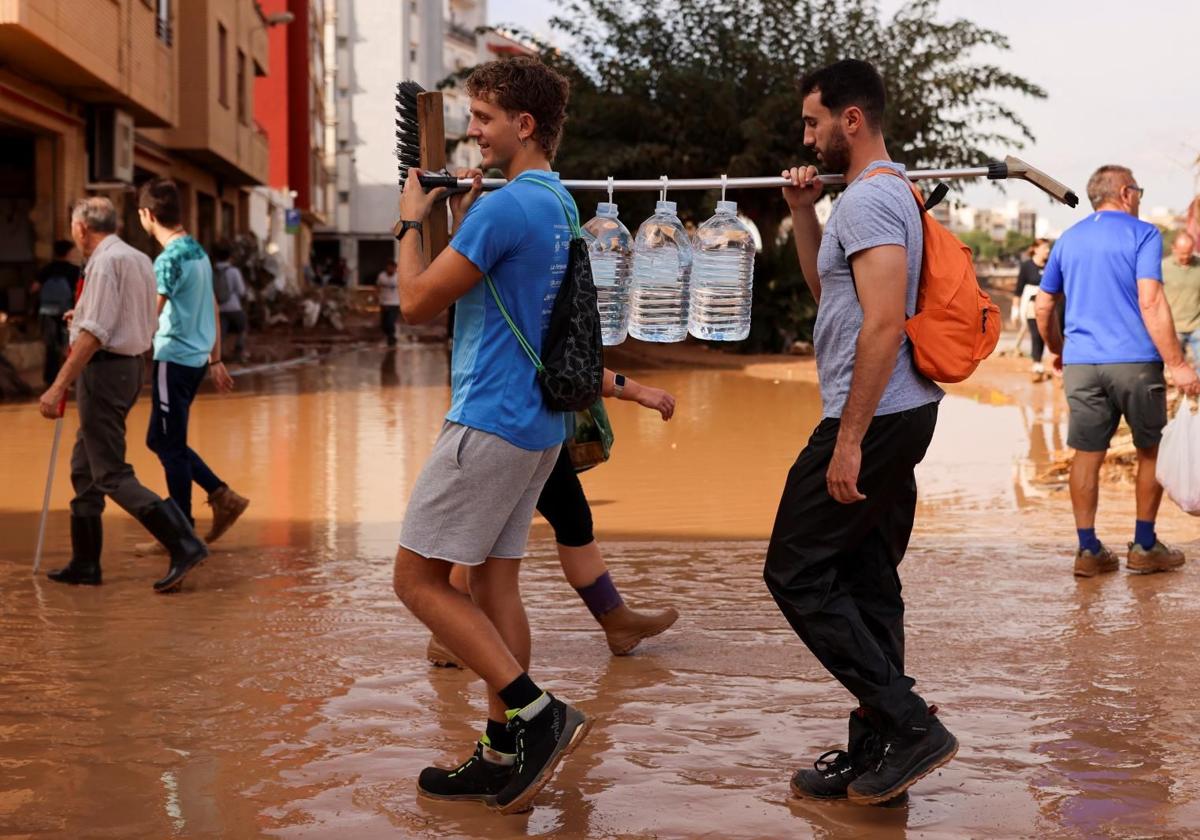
(1122, 83)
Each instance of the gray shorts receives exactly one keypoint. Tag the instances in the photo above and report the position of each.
(474, 498)
(1099, 395)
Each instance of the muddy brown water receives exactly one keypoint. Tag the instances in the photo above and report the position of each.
(284, 692)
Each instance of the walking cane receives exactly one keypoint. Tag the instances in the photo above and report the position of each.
(58, 424)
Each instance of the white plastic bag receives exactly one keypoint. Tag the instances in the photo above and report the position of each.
(1178, 469)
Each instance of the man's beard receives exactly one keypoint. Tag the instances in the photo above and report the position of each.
(837, 156)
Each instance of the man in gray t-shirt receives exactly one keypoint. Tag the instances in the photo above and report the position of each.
(847, 509)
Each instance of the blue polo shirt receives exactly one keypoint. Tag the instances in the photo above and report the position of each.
(1097, 264)
(187, 327)
(519, 235)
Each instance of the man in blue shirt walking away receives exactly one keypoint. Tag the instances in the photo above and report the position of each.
(474, 500)
(1119, 333)
(186, 346)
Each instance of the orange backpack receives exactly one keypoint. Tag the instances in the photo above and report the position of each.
(956, 325)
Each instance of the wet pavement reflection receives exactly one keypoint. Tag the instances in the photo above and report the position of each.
(284, 693)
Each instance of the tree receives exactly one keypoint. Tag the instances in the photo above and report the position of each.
(697, 88)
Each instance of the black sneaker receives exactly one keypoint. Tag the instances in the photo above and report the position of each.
(476, 779)
(905, 756)
(542, 743)
(833, 772)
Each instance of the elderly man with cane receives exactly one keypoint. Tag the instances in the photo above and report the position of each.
(111, 328)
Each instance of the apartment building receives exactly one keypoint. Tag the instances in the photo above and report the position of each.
(96, 97)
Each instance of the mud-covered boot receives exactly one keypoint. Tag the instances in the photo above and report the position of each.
(87, 537)
(170, 527)
(226, 506)
(625, 628)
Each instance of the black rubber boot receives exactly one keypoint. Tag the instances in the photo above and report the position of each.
(87, 537)
(170, 527)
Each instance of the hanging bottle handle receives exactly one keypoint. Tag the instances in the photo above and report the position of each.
(610, 189)
(662, 194)
(724, 185)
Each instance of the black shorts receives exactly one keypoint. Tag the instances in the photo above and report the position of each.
(1098, 396)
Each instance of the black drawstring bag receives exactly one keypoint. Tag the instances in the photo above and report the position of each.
(571, 370)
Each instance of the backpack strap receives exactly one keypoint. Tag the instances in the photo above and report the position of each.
(525, 345)
(572, 218)
(573, 223)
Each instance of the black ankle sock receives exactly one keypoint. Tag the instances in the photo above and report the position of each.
(501, 739)
(520, 692)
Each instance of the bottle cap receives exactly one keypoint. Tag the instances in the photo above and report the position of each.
(665, 207)
(727, 207)
(606, 209)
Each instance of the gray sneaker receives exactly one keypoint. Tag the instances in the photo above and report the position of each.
(1091, 563)
(1160, 558)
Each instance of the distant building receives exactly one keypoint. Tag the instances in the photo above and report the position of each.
(98, 97)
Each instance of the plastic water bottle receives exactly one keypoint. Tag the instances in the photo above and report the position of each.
(662, 267)
(722, 277)
(610, 249)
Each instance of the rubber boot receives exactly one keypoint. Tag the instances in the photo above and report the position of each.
(625, 628)
(87, 537)
(170, 527)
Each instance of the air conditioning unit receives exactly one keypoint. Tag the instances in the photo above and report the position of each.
(110, 146)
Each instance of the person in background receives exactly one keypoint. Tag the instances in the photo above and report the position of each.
(389, 302)
(187, 346)
(1029, 278)
(1119, 334)
(1181, 282)
(55, 288)
(112, 326)
(230, 288)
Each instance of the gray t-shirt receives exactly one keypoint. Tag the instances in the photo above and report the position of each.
(872, 212)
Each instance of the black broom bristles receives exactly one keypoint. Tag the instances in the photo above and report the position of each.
(408, 136)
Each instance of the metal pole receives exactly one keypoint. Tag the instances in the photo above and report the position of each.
(655, 184)
(37, 554)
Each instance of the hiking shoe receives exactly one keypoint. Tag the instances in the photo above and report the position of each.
(440, 655)
(1090, 563)
(1160, 558)
(833, 772)
(906, 755)
(226, 506)
(478, 779)
(543, 740)
(625, 628)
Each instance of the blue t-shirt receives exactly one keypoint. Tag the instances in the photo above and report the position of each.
(519, 235)
(187, 326)
(1097, 264)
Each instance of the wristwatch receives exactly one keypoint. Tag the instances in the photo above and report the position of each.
(403, 226)
(618, 384)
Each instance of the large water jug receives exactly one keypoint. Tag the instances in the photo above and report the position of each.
(722, 277)
(610, 249)
(662, 267)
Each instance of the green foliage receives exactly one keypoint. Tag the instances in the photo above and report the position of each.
(1016, 244)
(697, 88)
(981, 244)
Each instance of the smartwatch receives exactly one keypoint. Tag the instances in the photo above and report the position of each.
(402, 227)
(618, 384)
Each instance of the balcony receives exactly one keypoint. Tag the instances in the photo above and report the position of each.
(461, 34)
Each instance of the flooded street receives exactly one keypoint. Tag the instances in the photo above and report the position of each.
(285, 692)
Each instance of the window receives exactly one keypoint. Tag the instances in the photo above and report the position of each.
(162, 20)
(241, 87)
(222, 65)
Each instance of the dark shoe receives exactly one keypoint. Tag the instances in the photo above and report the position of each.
(440, 655)
(170, 527)
(1160, 558)
(1091, 563)
(226, 506)
(625, 628)
(477, 779)
(542, 743)
(87, 537)
(906, 755)
(832, 773)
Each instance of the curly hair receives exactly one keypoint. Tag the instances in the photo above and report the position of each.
(524, 85)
